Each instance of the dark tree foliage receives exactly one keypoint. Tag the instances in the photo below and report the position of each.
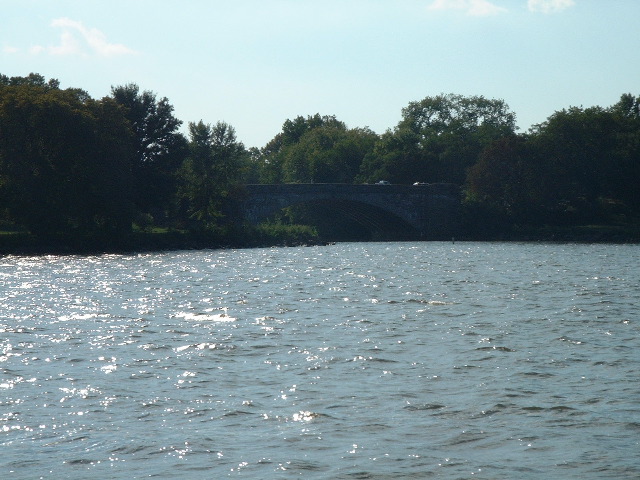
(506, 180)
(628, 106)
(209, 174)
(627, 151)
(63, 160)
(582, 165)
(32, 80)
(578, 148)
(327, 154)
(394, 157)
(160, 148)
(438, 139)
(74, 166)
(315, 149)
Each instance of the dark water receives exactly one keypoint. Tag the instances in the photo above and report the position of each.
(353, 361)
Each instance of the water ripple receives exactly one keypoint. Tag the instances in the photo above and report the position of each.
(380, 361)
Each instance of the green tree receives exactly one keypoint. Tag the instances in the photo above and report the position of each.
(111, 171)
(627, 153)
(279, 161)
(438, 139)
(581, 165)
(578, 148)
(628, 106)
(63, 168)
(32, 80)
(210, 173)
(160, 148)
(393, 158)
(250, 170)
(507, 181)
(327, 154)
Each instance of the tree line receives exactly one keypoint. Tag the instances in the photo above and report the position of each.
(76, 167)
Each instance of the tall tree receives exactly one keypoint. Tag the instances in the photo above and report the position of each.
(210, 173)
(160, 148)
(439, 138)
(627, 111)
(61, 161)
(578, 150)
(508, 180)
(628, 106)
(327, 154)
(580, 165)
(393, 157)
(279, 162)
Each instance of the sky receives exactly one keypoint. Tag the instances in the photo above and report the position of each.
(256, 63)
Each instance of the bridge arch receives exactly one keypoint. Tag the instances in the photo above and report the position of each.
(432, 210)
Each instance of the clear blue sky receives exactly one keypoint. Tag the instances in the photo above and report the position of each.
(256, 63)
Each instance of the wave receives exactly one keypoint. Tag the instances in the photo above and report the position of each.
(205, 317)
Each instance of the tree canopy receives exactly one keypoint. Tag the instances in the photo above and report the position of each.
(580, 165)
(315, 149)
(438, 139)
(63, 160)
(72, 165)
(159, 147)
(209, 173)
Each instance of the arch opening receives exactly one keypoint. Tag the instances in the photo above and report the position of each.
(346, 220)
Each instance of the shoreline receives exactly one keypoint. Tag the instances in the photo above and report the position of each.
(21, 244)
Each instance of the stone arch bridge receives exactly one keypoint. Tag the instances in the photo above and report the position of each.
(431, 209)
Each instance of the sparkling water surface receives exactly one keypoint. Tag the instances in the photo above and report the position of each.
(350, 361)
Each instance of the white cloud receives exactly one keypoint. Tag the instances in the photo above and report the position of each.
(550, 6)
(476, 8)
(36, 49)
(76, 39)
(69, 45)
(10, 49)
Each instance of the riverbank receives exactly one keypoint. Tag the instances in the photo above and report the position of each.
(628, 233)
(21, 243)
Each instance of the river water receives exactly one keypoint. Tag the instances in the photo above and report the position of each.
(350, 361)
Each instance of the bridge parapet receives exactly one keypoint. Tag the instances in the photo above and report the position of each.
(315, 188)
